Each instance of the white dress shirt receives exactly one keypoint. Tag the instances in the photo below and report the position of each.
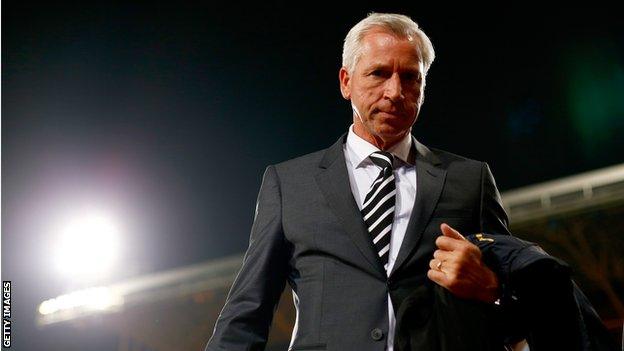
(362, 172)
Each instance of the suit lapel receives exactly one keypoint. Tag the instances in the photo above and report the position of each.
(333, 180)
(429, 183)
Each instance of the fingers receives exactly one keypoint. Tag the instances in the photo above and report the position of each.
(450, 232)
(451, 239)
(437, 277)
(442, 255)
(455, 262)
(452, 250)
(445, 266)
(435, 264)
(449, 244)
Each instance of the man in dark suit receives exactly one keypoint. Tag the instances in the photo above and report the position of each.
(356, 227)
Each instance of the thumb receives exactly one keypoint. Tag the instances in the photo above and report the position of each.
(448, 231)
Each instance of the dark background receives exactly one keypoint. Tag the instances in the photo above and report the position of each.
(167, 117)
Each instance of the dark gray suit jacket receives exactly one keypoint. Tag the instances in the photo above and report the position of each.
(308, 231)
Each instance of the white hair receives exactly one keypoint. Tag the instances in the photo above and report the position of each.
(399, 25)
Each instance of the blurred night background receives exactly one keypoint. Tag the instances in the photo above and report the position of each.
(161, 121)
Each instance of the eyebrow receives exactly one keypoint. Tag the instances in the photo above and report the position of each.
(376, 66)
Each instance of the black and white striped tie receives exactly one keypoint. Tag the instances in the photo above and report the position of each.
(378, 207)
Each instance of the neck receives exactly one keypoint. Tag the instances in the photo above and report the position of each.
(380, 143)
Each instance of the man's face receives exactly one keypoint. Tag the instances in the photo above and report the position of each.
(386, 87)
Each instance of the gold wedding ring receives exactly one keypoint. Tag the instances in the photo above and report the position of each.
(439, 266)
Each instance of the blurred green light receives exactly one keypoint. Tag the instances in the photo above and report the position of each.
(595, 92)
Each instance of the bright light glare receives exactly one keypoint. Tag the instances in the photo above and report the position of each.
(99, 298)
(88, 246)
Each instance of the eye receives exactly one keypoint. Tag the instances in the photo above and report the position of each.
(411, 77)
(379, 73)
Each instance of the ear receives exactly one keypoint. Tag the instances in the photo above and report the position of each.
(344, 78)
(423, 85)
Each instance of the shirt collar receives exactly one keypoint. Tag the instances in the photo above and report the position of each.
(361, 148)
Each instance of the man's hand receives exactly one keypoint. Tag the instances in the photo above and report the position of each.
(457, 266)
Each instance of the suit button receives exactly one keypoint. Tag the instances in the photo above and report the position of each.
(376, 334)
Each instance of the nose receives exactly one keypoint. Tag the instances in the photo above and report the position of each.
(393, 90)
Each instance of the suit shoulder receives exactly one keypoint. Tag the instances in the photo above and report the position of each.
(303, 163)
(448, 157)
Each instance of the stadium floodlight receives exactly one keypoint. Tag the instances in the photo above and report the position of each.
(82, 301)
(87, 247)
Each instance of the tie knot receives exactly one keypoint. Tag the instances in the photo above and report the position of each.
(382, 159)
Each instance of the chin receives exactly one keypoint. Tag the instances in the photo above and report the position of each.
(388, 131)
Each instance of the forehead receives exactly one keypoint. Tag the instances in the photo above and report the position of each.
(380, 46)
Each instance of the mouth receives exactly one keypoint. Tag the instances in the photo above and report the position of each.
(390, 109)
(389, 113)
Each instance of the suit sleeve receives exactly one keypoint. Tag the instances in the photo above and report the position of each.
(244, 321)
(493, 218)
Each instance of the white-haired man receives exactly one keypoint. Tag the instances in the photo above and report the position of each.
(358, 226)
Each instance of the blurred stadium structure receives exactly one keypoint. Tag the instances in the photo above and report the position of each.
(577, 218)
